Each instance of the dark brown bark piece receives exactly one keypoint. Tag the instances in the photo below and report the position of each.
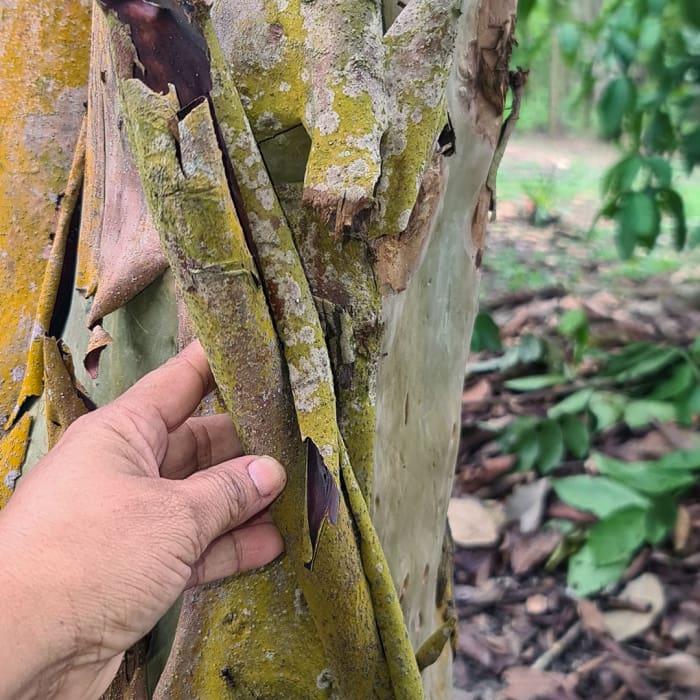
(322, 496)
(170, 48)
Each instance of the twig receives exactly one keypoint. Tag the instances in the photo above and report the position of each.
(640, 606)
(517, 80)
(591, 665)
(619, 694)
(523, 296)
(558, 648)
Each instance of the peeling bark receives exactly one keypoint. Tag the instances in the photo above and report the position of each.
(120, 253)
(44, 58)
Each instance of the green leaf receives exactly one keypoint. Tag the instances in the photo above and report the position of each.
(573, 321)
(624, 47)
(621, 176)
(688, 405)
(683, 376)
(576, 435)
(528, 449)
(661, 169)
(569, 40)
(645, 361)
(530, 349)
(551, 445)
(586, 577)
(641, 412)
(672, 204)
(607, 408)
(628, 355)
(625, 240)
(690, 147)
(650, 478)
(661, 519)
(616, 538)
(525, 7)
(513, 434)
(681, 459)
(617, 98)
(695, 349)
(691, 12)
(486, 335)
(638, 221)
(573, 403)
(574, 324)
(597, 494)
(649, 33)
(535, 382)
(659, 135)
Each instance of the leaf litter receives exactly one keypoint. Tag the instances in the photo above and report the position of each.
(523, 632)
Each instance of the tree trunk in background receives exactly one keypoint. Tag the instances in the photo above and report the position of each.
(341, 310)
(557, 79)
(586, 12)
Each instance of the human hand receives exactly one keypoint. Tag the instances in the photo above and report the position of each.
(103, 535)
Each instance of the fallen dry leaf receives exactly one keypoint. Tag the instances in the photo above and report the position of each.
(630, 675)
(624, 624)
(601, 305)
(477, 392)
(474, 524)
(591, 617)
(489, 592)
(651, 446)
(527, 552)
(486, 472)
(525, 683)
(492, 651)
(459, 694)
(537, 604)
(681, 531)
(679, 438)
(526, 505)
(563, 511)
(679, 668)
(684, 630)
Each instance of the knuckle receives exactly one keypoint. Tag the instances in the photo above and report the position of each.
(237, 553)
(194, 525)
(226, 502)
(199, 572)
(235, 495)
(203, 445)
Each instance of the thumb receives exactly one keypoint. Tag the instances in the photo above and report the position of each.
(227, 495)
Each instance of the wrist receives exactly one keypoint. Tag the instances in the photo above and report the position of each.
(39, 642)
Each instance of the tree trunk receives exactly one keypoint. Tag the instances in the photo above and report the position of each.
(556, 87)
(324, 246)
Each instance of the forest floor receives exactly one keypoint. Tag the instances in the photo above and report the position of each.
(522, 634)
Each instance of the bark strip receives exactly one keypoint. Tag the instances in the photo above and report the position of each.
(207, 252)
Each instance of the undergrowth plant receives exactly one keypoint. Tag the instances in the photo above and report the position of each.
(627, 390)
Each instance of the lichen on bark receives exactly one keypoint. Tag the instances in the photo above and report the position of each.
(185, 187)
(44, 57)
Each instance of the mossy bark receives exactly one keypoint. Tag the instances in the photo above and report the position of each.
(346, 323)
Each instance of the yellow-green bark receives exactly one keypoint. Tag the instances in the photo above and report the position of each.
(206, 247)
(44, 50)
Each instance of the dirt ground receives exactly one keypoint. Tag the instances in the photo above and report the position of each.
(521, 633)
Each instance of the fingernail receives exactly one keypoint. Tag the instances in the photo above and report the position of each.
(267, 474)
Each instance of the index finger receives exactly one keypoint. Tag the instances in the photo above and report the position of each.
(173, 391)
